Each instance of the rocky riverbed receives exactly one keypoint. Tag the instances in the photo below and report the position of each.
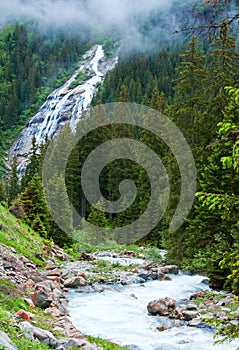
(48, 289)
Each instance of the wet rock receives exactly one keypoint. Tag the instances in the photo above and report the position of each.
(169, 269)
(144, 276)
(222, 315)
(6, 342)
(123, 282)
(189, 315)
(191, 307)
(154, 276)
(86, 257)
(183, 341)
(170, 324)
(80, 343)
(73, 282)
(97, 288)
(197, 322)
(133, 296)
(161, 307)
(205, 281)
(167, 278)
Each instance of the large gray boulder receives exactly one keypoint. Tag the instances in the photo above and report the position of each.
(35, 333)
(5, 342)
(161, 307)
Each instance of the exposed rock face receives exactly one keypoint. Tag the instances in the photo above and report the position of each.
(63, 105)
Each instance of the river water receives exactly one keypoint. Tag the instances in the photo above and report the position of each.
(120, 315)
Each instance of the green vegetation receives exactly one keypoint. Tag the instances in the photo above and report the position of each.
(32, 63)
(108, 267)
(14, 334)
(18, 235)
(194, 81)
(106, 345)
(79, 79)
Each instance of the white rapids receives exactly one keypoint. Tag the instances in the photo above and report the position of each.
(120, 315)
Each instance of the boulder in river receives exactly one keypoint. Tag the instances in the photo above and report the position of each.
(161, 307)
(73, 282)
(171, 269)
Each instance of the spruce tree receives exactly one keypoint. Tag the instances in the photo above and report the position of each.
(213, 229)
(2, 192)
(34, 206)
(190, 99)
(13, 186)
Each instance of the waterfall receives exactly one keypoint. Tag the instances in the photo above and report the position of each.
(63, 105)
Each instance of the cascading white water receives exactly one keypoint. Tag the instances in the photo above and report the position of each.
(119, 314)
(63, 105)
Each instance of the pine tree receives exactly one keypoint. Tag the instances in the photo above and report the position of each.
(34, 206)
(2, 192)
(213, 229)
(61, 224)
(190, 99)
(223, 70)
(97, 218)
(13, 186)
(33, 167)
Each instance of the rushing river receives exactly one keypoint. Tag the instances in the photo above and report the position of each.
(120, 315)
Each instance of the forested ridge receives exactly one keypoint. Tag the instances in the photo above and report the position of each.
(194, 81)
(32, 63)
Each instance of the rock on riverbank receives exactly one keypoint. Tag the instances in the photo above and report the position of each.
(194, 312)
(43, 289)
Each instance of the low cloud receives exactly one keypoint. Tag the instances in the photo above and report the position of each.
(96, 14)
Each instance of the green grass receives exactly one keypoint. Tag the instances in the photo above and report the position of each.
(13, 331)
(6, 285)
(79, 80)
(106, 345)
(107, 266)
(18, 235)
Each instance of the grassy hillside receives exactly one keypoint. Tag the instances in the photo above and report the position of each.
(20, 237)
(18, 244)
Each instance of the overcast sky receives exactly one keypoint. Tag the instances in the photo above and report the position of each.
(99, 13)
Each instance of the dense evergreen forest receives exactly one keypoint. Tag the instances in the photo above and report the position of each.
(32, 63)
(193, 80)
